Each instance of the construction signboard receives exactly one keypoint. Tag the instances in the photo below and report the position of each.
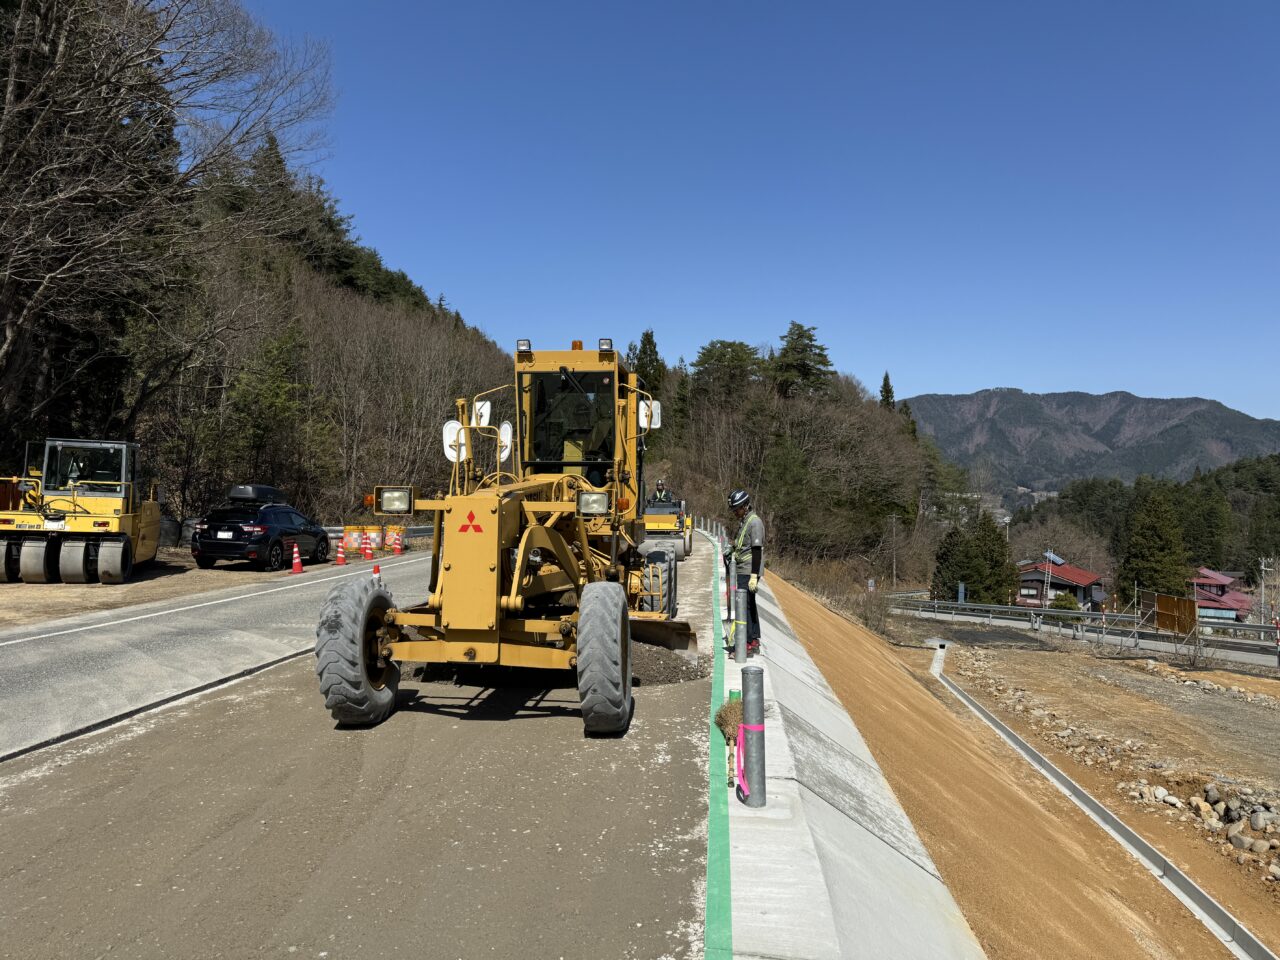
(1168, 614)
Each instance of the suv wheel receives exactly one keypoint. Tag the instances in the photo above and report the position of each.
(275, 557)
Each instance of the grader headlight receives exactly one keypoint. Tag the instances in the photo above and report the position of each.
(395, 500)
(592, 503)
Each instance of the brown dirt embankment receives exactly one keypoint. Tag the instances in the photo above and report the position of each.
(1034, 876)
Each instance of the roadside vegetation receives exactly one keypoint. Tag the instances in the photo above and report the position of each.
(1156, 531)
(847, 489)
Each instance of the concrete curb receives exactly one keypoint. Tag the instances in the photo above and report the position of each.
(832, 866)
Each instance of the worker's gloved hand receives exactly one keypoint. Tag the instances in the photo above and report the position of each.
(751, 584)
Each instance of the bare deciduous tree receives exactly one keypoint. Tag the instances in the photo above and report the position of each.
(119, 120)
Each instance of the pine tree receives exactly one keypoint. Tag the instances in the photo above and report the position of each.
(904, 408)
(951, 565)
(1155, 557)
(886, 392)
(993, 578)
(648, 363)
(724, 367)
(801, 367)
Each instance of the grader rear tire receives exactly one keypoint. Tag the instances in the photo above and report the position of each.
(673, 592)
(655, 574)
(357, 689)
(604, 658)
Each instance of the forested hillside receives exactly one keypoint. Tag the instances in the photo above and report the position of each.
(170, 273)
(839, 476)
(1225, 519)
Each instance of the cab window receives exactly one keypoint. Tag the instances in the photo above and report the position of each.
(569, 421)
(68, 464)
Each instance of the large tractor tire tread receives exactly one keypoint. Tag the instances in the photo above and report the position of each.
(352, 697)
(673, 593)
(655, 577)
(604, 658)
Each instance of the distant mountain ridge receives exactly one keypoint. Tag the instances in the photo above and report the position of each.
(1044, 440)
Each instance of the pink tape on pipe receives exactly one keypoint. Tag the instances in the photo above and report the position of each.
(737, 758)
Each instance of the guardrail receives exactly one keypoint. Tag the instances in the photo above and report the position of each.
(1253, 637)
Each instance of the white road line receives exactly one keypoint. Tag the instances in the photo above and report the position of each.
(207, 603)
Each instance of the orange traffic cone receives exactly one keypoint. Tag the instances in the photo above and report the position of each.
(366, 547)
(397, 549)
(377, 572)
(341, 559)
(297, 559)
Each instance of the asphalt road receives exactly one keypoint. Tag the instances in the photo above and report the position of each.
(69, 674)
(477, 821)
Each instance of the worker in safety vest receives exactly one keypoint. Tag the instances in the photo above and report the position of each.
(661, 494)
(747, 551)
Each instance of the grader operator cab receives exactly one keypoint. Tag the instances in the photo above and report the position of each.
(536, 547)
(77, 514)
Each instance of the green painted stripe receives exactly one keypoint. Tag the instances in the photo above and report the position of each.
(717, 933)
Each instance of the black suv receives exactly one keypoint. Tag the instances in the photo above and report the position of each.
(256, 524)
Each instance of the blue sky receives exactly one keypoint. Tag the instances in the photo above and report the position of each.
(1048, 196)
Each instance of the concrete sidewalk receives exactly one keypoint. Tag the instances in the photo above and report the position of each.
(831, 866)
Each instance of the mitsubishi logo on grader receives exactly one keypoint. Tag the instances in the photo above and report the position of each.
(559, 577)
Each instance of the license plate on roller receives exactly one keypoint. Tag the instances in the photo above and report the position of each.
(55, 524)
(224, 534)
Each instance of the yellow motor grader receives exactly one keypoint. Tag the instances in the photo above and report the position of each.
(536, 560)
(77, 514)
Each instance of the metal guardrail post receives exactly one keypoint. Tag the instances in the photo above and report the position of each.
(752, 782)
(741, 618)
(731, 597)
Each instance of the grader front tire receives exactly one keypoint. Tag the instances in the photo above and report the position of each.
(604, 658)
(357, 689)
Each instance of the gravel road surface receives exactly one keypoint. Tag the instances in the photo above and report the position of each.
(477, 821)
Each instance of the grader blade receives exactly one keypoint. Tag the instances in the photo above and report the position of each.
(672, 634)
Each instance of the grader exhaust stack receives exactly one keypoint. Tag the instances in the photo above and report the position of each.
(538, 559)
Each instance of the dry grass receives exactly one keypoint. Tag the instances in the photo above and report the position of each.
(840, 585)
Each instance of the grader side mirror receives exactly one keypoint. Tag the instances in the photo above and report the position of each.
(455, 447)
(650, 414)
(505, 434)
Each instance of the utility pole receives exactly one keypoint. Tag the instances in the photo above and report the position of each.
(893, 517)
(1048, 565)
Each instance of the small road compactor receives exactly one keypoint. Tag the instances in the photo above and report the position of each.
(538, 558)
(77, 514)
